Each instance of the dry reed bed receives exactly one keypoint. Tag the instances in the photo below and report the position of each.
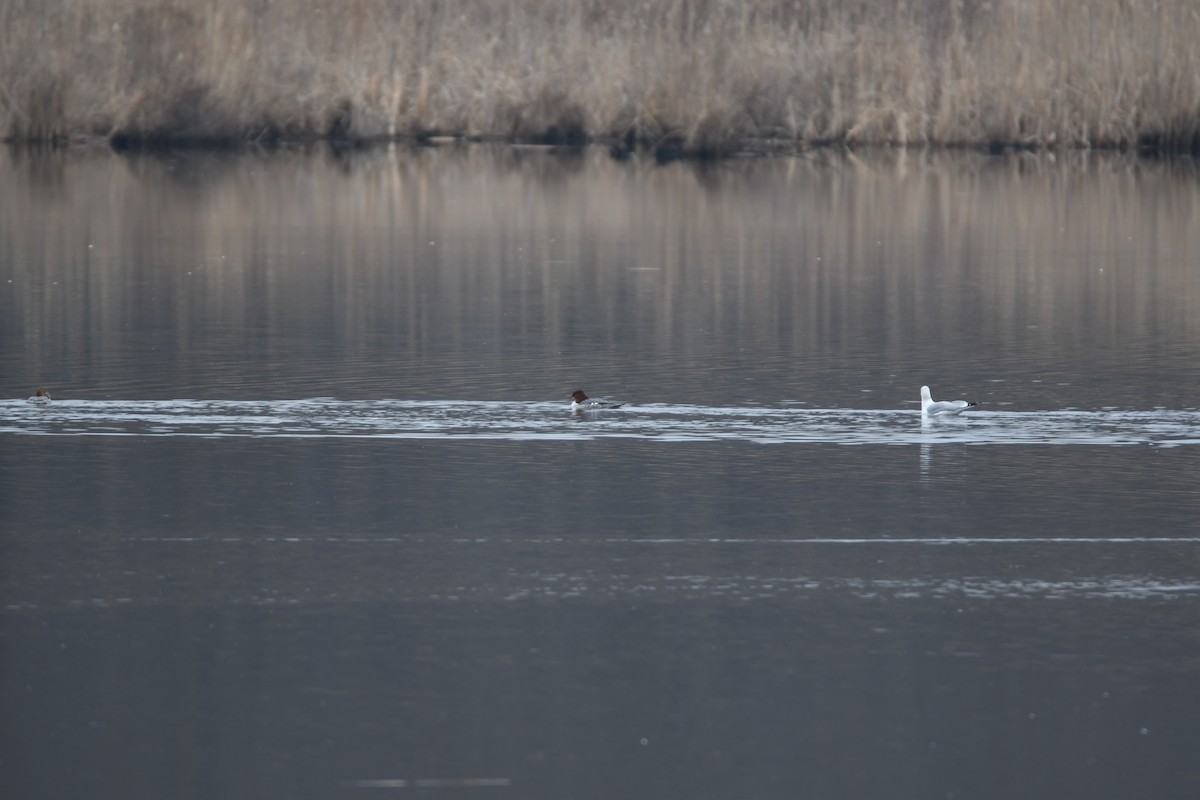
(706, 76)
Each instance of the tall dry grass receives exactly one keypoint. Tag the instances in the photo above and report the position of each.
(703, 76)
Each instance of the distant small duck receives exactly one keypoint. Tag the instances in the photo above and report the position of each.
(941, 408)
(41, 398)
(581, 402)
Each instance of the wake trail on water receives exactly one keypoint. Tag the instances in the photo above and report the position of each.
(548, 421)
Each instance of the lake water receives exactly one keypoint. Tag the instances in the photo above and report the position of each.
(309, 516)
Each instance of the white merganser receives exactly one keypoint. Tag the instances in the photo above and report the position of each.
(941, 408)
(581, 402)
(41, 398)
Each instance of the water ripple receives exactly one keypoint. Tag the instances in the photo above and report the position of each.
(456, 419)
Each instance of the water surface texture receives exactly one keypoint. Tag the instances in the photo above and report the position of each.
(309, 515)
(329, 418)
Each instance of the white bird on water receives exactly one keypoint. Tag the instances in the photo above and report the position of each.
(941, 408)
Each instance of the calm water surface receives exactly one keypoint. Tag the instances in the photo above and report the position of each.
(309, 517)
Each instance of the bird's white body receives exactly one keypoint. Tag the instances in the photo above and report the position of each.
(941, 408)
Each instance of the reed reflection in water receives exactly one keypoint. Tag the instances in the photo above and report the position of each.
(520, 274)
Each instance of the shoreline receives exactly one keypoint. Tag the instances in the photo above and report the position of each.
(617, 150)
(679, 79)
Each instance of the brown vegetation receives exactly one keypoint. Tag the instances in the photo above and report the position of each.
(705, 76)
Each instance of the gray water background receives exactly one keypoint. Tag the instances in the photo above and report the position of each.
(309, 516)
